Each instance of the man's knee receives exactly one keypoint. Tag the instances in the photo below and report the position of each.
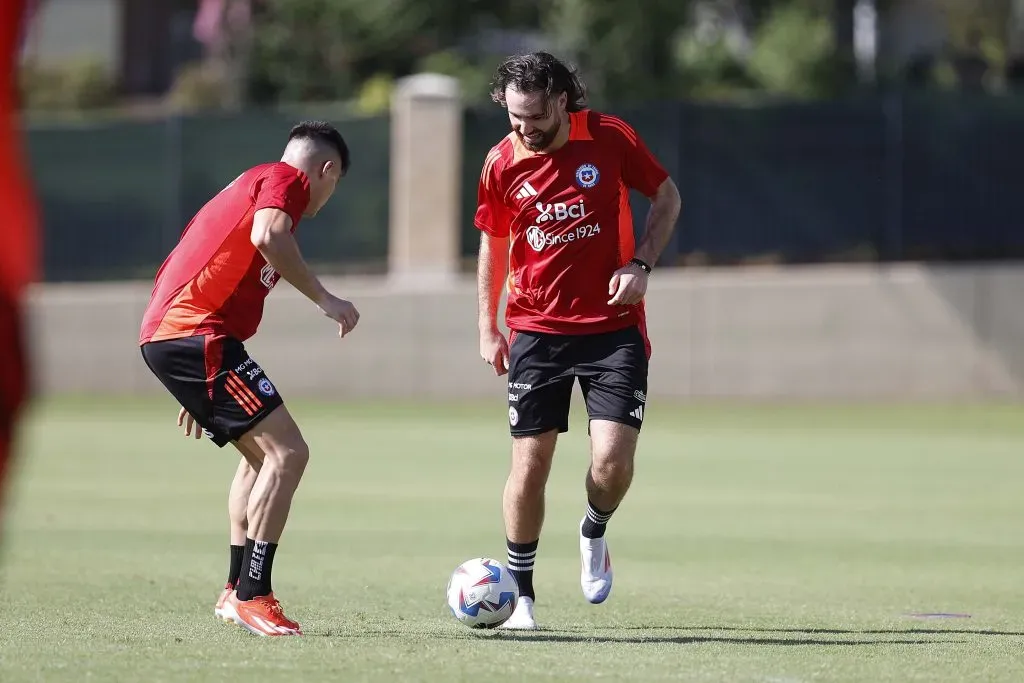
(281, 442)
(291, 456)
(613, 446)
(611, 472)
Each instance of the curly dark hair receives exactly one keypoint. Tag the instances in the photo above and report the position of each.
(539, 72)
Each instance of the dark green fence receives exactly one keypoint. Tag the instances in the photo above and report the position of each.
(116, 196)
(880, 178)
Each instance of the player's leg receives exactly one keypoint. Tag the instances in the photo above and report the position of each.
(13, 362)
(523, 504)
(181, 365)
(229, 395)
(242, 483)
(249, 411)
(540, 388)
(613, 446)
(285, 455)
(613, 376)
(238, 502)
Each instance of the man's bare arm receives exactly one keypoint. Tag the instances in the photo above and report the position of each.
(492, 269)
(661, 222)
(272, 235)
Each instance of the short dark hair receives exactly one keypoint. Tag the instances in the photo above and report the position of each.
(539, 72)
(325, 133)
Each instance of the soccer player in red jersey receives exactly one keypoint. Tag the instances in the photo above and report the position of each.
(18, 246)
(206, 302)
(557, 232)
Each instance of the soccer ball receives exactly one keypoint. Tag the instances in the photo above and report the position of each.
(482, 593)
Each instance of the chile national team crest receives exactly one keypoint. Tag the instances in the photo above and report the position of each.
(587, 175)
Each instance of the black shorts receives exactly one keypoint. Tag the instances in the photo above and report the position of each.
(216, 381)
(611, 368)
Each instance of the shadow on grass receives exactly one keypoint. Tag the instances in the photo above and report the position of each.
(651, 637)
(822, 631)
(562, 637)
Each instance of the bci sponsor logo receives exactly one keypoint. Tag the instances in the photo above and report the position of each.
(559, 211)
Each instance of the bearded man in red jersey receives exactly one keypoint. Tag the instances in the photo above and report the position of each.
(557, 233)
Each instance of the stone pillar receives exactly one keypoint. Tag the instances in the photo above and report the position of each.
(426, 180)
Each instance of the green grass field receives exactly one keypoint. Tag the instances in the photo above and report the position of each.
(764, 544)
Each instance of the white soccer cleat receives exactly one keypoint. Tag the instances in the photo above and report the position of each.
(225, 608)
(596, 573)
(522, 618)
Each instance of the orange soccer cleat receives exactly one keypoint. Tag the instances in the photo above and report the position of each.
(262, 616)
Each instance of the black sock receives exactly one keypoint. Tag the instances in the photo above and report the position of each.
(596, 522)
(235, 568)
(520, 565)
(257, 563)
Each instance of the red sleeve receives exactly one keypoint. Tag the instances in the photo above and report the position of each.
(19, 238)
(492, 216)
(284, 188)
(641, 171)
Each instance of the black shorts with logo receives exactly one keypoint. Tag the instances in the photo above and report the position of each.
(216, 381)
(610, 366)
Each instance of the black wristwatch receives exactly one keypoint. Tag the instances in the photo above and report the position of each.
(643, 266)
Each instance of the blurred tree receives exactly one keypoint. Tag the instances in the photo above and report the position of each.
(626, 55)
(839, 64)
(325, 49)
(1015, 47)
(979, 34)
(474, 75)
(331, 49)
(711, 53)
(988, 19)
(320, 50)
(794, 53)
(709, 68)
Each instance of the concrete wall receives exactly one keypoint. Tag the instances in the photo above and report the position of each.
(851, 332)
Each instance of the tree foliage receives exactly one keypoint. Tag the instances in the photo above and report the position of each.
(304, 50)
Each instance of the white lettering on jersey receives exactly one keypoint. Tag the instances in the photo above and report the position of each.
(268, 276)
(538, 239)
(559, 211)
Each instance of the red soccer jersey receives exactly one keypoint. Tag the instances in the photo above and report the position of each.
(18, 247)
(569, 221)
(215, 281)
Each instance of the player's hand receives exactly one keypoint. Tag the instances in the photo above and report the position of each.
(189, 422)
(494, 350)
(342, 312)
(628, 285)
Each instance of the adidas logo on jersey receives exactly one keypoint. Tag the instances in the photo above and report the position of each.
(638, 413)
(526, 191)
